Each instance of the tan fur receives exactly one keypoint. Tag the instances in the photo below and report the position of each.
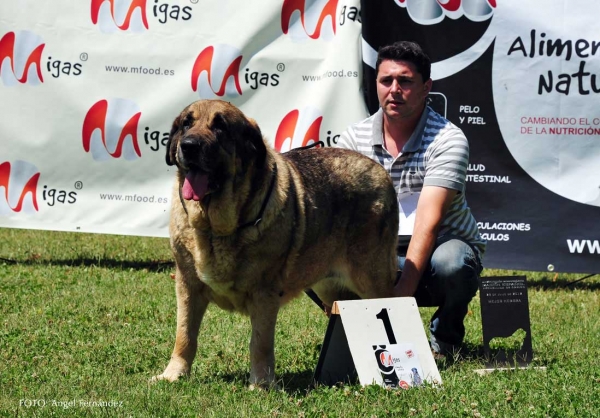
(330, 224)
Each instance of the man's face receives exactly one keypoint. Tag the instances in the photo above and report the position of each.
(401, 90)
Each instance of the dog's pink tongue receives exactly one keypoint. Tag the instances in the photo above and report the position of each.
(195, 186)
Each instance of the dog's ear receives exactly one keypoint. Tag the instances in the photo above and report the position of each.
(251, 136)
(222, 131)
(172, 145)
(255, 140)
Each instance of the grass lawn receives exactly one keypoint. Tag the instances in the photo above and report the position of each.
(86, 320)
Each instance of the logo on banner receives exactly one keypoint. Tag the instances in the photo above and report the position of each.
(449, 54)
(304, 20)
(20, 58)
(132, 15)
(430, 12)
(110, 130)
(298, 129)
(20, 181)
(216, 73)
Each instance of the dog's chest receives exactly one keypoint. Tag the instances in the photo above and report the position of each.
(218, 266)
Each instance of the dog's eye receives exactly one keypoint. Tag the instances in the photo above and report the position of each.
(185, 127)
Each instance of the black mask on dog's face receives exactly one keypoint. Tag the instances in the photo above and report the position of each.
(210, 142)
(236, 135)
(198, 155)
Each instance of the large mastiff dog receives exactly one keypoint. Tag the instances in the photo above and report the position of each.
(251, 228)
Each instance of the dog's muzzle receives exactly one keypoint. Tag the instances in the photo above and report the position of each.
(189, 152)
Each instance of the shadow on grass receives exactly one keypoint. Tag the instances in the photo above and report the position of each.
(297, 381)
(156, 266)
(290, 383)
(472, 352)
(159, 266)
(585, 282)
(301, 382)
(582, 283)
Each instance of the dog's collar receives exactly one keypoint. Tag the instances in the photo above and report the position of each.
(262, 208)
(264, 204)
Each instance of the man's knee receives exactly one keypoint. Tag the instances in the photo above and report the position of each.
(456, 265)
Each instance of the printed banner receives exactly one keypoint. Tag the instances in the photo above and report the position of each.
(89, 90)
(520, 79)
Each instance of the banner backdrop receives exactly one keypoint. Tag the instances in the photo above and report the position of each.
(89, 89)
(521, 79)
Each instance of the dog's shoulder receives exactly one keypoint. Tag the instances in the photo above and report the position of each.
(336, 165)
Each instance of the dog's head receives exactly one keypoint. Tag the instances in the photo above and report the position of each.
(210, 142)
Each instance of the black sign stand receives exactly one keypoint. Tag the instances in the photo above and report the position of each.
(335, 362)
(504, 311)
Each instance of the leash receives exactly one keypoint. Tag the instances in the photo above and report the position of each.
(314, 144)
(272, 186)
(182, 202)
(264, 204)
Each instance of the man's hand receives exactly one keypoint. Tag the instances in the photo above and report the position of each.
(431, 209)
(405, 287)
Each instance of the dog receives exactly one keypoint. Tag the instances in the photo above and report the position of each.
(251, 228)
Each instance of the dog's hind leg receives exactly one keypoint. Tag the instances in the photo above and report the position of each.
(191, 306)
(263, 310)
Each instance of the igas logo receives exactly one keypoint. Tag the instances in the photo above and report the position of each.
(21, 60)
(298, 129)
(20, 183)
(315, 20)
(385, 361)
(430, 12)
(301, 128)
(216, 73)
(110, 131)
(132, 16)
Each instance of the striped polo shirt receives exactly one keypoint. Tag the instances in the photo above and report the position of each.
(436, 154)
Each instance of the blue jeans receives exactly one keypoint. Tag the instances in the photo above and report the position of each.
(450, 281)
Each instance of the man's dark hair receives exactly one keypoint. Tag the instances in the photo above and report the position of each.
(406, 51)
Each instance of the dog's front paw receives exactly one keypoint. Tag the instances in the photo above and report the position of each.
(265, 386)
(166, 376)
(173, 372)
(265, 381)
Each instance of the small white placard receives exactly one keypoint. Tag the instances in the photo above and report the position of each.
(396, 324)
(399, 365)
(408, 209)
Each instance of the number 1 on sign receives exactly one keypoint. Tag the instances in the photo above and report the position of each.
(385, 318)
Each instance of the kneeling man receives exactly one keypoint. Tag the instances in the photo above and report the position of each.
(440, 248)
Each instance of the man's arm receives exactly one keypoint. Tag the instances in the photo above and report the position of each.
(431, 209)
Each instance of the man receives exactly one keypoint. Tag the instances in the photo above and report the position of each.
(440, 249)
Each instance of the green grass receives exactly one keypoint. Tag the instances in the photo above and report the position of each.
(90, 318)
